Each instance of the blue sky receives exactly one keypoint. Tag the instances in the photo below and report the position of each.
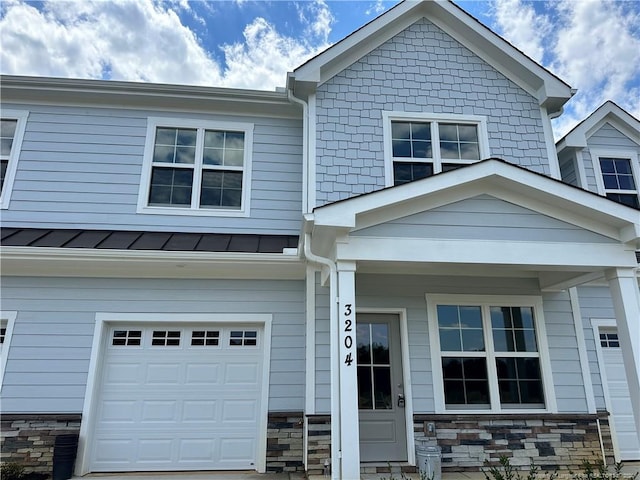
(594, 45)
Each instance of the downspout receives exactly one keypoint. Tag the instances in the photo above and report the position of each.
(336, 447)
(305, 148)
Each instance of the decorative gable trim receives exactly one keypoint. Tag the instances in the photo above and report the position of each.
(550, 91)
(608, 112)
(494, 177)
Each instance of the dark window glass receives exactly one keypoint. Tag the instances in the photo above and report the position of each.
(221, 189)
(460, 328)
(513, 329)
(465, 381)
(405, 172)
(520, 381)
(170, 186)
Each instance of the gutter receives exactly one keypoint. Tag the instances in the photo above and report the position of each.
(305, 148)
(336, 446)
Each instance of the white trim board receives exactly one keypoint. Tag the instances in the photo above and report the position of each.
(9, 317)
(104, 319)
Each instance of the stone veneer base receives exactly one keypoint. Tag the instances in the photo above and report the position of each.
(28, 439)
(561, 441)
(285, 432)
(552, 441)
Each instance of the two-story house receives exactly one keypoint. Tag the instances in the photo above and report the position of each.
(197, 278)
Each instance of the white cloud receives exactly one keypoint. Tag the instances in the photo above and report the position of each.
(138, 41)
(145, 40)
(522, 26)
(593, 45)
(376, 9)
(318, 18)
(597, 51)
(263, 58)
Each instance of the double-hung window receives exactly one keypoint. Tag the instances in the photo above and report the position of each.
(12, 127)
(421, 145)
(489, 354)
(194, 167)
(619, 176)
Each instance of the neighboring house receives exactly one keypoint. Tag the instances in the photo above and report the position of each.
(601, 155)
(197, 278)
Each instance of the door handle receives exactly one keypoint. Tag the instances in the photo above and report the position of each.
(401, 400)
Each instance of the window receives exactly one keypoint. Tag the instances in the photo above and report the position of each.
(609, 339)
(12, 126)
(239, 338)
(488, 353)
(209, 338)
(126, 338)
(193, 167)
(164, 338)
(7, 320)
(618, 175)
(421, 145)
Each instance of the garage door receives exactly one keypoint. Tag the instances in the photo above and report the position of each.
(620, 402)
(179, 398)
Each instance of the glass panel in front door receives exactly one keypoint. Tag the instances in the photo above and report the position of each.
(374, 367)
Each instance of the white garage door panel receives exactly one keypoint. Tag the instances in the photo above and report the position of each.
(620, 403)
(178, 407)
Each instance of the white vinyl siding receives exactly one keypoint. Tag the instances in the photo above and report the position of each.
(82, 168)
(51, 348)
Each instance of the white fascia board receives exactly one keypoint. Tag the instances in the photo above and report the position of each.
(492, 252)
(608, 112)
(153, 96)
(550, 91)
(46, 261)
(493, 177)
(312, 70)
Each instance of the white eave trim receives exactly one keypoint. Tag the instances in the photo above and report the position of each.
(48, 261)
(610, 113)
(493, 177)
(550, 91)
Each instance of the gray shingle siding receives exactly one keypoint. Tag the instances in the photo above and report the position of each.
(422, 69)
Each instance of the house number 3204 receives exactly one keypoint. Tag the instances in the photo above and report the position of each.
(348, 338)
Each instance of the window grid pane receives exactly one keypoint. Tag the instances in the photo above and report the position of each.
(459, 141)
(617, 177)
(374, 369)
(405, 172)
(209, 161)
(166, 338)
(7, 133)
(127, 338)
(240, 338)
(519, 381)
(609, 340)
(460, 328)
(208, 338)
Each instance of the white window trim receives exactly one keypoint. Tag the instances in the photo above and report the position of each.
(104, 324)
(433, 118)
(597, 154)
(8, 319)
(16, 147)
(485, 301)
(145, 180)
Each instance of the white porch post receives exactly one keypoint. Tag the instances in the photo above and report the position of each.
(626, 303)
(349, 428)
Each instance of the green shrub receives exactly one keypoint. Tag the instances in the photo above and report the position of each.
(599, 471)
(11, 471)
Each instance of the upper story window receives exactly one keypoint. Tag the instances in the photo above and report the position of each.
(12, 126)
(421, 145)
(490, 353)
(619, 177)
(194, 167)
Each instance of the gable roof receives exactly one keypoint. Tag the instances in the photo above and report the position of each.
(495, 177)
(550, 90)
(608, 112)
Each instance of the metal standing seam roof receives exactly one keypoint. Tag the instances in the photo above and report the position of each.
(140, 240)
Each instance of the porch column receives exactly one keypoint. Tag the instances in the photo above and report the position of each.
(349, 428)
(626, 303)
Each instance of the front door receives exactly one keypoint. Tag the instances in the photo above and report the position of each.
(383, 429)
